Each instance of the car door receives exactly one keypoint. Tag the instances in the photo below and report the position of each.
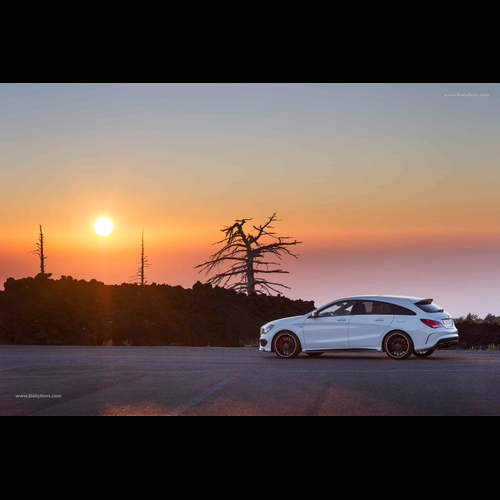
(370, 321)
(329, 329)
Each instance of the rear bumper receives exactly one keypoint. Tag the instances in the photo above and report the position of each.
(442, 342)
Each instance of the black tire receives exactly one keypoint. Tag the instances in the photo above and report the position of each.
(286, 345)
(424, 354)
(314, 354)
(398, 345)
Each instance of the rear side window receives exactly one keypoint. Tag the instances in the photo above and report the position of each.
(402, 311)
(429, 308)
(373, 307)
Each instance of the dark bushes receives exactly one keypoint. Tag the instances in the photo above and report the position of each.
(70, 312)
(478, 334)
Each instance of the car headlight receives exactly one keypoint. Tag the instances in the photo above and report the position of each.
(267, 328)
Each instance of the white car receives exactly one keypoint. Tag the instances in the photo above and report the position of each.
(398, 326)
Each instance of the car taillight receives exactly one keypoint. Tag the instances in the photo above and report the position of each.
(432, 323)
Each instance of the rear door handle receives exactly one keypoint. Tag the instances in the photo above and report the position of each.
(379, 319)
(342, 319)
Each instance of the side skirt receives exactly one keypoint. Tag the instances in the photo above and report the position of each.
(348, 349)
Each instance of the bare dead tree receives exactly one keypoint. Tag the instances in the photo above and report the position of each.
(143, 264)
(40, 250)
(250, 256)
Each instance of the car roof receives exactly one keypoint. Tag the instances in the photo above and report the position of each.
(386, 297)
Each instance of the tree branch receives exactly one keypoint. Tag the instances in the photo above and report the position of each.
(243, 250)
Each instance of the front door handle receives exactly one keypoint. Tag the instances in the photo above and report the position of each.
(379, 319)
(342, 319)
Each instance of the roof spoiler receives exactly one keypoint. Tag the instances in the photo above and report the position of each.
(424, 302)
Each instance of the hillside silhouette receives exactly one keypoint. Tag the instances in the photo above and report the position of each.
(44, 311)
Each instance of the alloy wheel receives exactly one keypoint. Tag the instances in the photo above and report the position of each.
(286, 345)
(398, 346)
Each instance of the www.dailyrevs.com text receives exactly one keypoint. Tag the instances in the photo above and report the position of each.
(466, 95)
(38, 396)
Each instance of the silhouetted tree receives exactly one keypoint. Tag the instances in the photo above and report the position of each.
(472, 318)
(248, 251)
(143, 264)
(40, 251)
(492, 319)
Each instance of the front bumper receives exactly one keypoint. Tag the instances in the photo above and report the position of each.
(264, 345)
(265, 342)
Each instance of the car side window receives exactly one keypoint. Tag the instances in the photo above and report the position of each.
(337, 309)
(373, 307)
(402, 311)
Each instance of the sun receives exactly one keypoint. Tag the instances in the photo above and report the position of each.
(104, 226)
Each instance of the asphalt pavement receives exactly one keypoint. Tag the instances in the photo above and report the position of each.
(187, 381)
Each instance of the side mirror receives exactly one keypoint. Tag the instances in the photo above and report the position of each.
(314, 314)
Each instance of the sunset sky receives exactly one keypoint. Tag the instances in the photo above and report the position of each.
(392, 188)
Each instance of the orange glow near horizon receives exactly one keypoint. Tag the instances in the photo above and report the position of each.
(342, 261)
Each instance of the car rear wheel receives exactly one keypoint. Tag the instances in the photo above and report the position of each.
(287, 345)
(398, 345)
(424, 354)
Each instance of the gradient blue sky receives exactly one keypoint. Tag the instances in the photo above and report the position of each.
(393, 188)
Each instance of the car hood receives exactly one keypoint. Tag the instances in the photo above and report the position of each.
(291, 319)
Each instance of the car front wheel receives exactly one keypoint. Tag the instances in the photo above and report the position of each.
(287, 345)
(398, 345)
